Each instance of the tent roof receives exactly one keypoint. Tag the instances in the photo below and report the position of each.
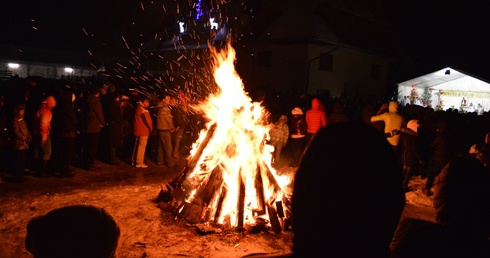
(448, 79)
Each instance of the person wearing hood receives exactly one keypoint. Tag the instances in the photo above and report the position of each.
(21, 138)
(315, 118)
(41, 130)
(297, 130)
(393, 123)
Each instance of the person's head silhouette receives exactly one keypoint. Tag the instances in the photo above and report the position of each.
(348, 195)
(73, 231)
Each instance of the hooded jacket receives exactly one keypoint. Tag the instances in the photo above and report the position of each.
(315, 117)
(44, 115)
(393, 123)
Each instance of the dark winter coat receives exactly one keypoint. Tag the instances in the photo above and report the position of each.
(21, 135)
(65, 119)
(94, 116)
(410, 154)
(115, 125)
(297, 125)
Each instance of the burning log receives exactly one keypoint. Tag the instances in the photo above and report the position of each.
(196, 157)
(228, 180)
(259, 188)
(241, 201)
(275, 224)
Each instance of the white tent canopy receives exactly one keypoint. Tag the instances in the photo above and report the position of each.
(446, 88)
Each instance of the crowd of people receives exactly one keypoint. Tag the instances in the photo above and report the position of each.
(340, 208)
(46, 132)
(353, 166)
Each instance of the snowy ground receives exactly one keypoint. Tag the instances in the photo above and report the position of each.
(147, 231)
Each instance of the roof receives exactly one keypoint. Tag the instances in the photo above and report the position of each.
(301, 24)
(448, 79)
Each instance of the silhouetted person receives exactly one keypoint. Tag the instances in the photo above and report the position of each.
(65, 124)
(78, 231)
(41, 135)
(462, 204)
(297, 130)
(410, 154)
(348, 194)
(20, 143)
(94, 121)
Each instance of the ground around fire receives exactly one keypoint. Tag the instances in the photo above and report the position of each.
(147, 230)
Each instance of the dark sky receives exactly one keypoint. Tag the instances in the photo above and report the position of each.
(449, 33)
(434, 31)
(102, 25)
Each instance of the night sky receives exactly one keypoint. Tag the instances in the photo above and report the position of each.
(436, 33)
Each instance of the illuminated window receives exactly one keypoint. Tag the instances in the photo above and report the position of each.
(13, 65)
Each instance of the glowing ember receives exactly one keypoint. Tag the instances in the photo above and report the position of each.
(230, 173)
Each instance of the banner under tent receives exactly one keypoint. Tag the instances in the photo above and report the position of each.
(446, 89)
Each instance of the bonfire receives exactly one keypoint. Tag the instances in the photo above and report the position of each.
(229, 180)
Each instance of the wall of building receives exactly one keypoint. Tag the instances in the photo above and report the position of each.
(45, 70)
(351, 74)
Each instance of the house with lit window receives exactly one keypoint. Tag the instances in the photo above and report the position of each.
(23, 62)
(317, 47)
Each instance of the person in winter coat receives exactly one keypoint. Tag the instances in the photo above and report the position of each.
(181, 120)
(143, 125)
(65, 127)
(338, 114)
(409, 151)
(462, 204)
(297, 130)
(393, 121)
(279, 135)
(482, 151)
(95, 120)
(442, 150)
(165, 127)
(342, 207)
(41, 135)
(315, 118)
(20, 145)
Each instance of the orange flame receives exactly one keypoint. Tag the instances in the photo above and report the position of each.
(237, 148)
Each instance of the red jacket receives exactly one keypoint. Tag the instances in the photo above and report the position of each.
(143, 124)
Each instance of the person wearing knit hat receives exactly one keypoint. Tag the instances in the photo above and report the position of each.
(297, 137)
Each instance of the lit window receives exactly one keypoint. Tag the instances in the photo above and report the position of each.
(13, 65)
